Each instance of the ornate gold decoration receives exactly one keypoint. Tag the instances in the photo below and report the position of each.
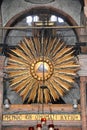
(41, 66)
(54, 117)
(27, 69)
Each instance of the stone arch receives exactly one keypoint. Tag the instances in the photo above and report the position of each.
(34, 10)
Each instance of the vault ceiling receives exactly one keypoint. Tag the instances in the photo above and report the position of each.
(43, 1)
(39, 1)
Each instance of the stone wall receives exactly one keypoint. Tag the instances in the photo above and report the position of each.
(13, 7)
(0, 29)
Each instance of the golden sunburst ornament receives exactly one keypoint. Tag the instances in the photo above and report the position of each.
(32, 66)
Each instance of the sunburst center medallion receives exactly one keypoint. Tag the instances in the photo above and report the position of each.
(41, 69)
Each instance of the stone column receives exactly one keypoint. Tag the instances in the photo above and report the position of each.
(85, 8)
(2, 58)
(1, 31)
(83, 77)
(83, 101)
(85, 14)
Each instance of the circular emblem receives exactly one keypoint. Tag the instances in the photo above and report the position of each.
(41, 69)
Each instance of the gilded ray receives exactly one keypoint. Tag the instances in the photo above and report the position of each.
(66, 78)
(17, 60)
(50, 46)
(62, 52)
(30, 46)
(26, 50)
(63, 84)
(40, 95)
(18, 73)
(19, 53)
(15, 67)
(65, 58)
(34, 91)
(47, 95)
(37, 46)
(24, 93)
(57, 46)
(27, 90)
(18, 79)
(14, 61)
(52, 90)
(48, 39)
(66, 71)
(35, 42)
(48, 42)
(70, 64)
(61, 45)
(22, 84)
(57, 86)
(32, 95)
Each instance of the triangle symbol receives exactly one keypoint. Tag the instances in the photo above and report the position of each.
(42, 68)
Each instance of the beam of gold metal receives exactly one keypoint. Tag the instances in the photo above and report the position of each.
(26, 66)
(40, 27)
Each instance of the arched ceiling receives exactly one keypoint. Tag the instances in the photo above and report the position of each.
(81, 1)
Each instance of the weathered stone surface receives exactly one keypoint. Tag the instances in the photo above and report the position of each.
(83, 65)
(74, 93)
(70, 7)
(11, 95)
(14, 97)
